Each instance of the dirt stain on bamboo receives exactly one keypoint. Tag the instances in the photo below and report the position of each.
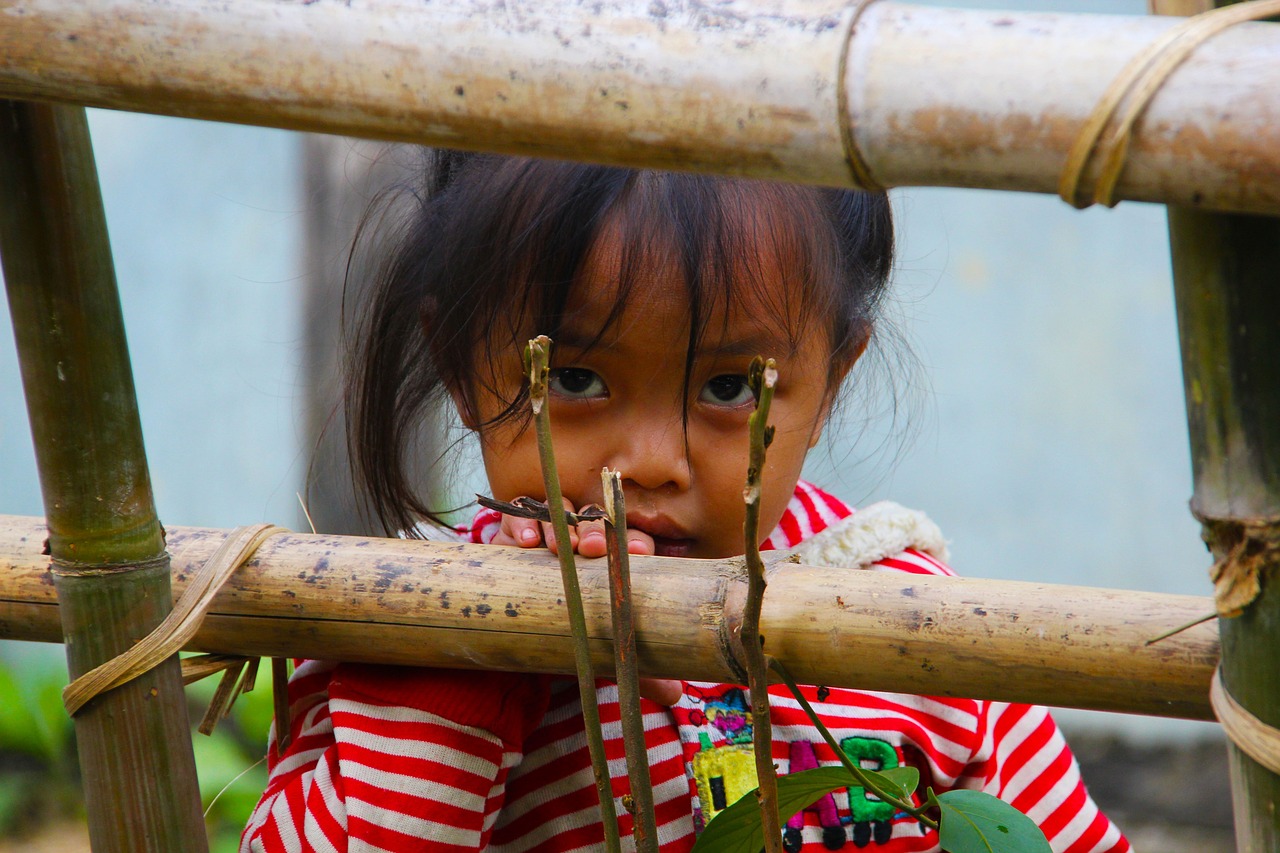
(387, 575)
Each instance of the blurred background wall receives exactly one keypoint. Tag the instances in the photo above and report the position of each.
(1045, 429)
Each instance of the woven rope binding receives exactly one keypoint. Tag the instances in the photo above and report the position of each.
(1135, 86)
(178, 628)
(1255, 738)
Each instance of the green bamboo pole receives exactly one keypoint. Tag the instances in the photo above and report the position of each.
(1226, 272)
(105, 542)
(1227, 281)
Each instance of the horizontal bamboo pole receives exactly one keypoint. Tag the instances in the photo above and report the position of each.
(483, 607)
(765, 88)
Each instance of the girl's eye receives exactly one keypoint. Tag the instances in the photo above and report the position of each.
(576, 383)
(726, 390)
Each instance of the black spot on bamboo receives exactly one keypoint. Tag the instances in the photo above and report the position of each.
(511, 610)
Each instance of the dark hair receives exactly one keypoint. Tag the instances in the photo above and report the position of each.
(492, 246)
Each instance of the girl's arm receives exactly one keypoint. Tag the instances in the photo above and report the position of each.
(1025, 761)
(393, 757)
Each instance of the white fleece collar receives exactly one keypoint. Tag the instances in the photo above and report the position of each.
(871, 534)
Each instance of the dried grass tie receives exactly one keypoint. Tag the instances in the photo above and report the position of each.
(1138, 82)
(179, 627)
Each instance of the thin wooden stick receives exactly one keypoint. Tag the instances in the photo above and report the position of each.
(537, 365)
(645, 828)
(763, 376)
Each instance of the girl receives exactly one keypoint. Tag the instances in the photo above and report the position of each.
(658, 289)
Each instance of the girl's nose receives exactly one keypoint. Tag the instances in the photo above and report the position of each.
(653, 456)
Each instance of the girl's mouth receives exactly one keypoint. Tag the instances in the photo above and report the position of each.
(664, 547)
(669, 538)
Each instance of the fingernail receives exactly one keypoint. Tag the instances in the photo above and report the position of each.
(528, 536)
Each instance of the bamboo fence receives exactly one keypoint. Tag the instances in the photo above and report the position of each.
(875, 94)
(480, 607)
(789, 89)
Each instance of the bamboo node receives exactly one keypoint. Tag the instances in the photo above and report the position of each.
(1135, 86)
(167, 638)
(76, 569)
(1244, 548)
(858, 168)
(1253, 737)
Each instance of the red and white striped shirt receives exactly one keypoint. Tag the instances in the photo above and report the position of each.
(389, 758)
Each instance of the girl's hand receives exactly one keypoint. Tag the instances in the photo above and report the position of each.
(586, 539)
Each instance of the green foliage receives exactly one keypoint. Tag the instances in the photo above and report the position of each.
(38, 770)
(737, 829)
(37, 724)
(39, 775)
(229, 762)
(974, 822)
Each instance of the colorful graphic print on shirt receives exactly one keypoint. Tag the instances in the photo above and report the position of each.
(715, 724)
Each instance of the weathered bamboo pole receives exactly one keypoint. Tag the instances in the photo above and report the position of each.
(110, 572)
(1226, 269)
(787, 89)
(1227, 280)
(483, 607)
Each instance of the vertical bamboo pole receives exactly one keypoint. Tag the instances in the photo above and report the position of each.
(1227, 284)
(1226, 273)
(106, 544)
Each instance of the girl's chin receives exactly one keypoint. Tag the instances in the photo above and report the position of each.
(663, 547)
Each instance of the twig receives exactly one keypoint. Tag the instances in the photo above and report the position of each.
(538, 511)
(645, 828)
(762, 376)
(1187, 627)
(857, 772)
(536, 362)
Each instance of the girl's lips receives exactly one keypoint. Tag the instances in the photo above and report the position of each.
(669, 538)
(664, 547)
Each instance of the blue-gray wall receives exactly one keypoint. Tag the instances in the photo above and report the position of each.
(205, 223)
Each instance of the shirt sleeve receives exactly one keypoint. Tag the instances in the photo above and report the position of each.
(387, 757)
(1024, 760)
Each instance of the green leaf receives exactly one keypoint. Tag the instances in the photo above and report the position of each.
(737, 829)
(899, 781)
(974, 822)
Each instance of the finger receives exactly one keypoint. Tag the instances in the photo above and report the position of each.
(639, 542)
(661, 690)
(549, 533)
(520, 531)
(592, 538)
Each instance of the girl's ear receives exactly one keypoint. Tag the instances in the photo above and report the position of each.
(839, 372)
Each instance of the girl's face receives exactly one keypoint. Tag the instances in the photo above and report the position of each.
(620, 404)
